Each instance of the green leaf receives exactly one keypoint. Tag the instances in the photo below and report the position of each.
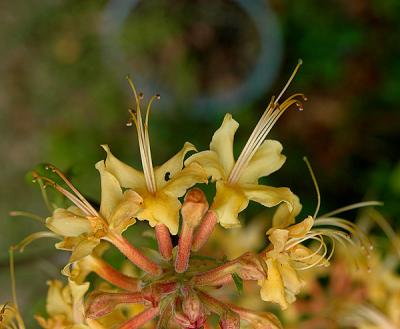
(238, 282)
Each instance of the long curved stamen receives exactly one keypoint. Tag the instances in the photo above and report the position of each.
(60, 174)
(19, 319)
(75, 200)
(270, 116)
(315, 186)
(143, 138)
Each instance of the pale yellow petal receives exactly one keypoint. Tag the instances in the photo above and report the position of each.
(77, 293)
(111, 192)
(185, 179)
(228, 202)
(67, 223)
(272, 288)
(291, 281)
(267, 159)
(300, 229)
(210, 162)
(269, 196)
(57, 303)
(283, 217)
(127, 176)
(168, 170)
(68, 243)
(160, 208)
(278, 239)
(84, 248)
(125, 212)
(222, 142)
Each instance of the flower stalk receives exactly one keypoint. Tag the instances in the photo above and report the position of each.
(193, 210)
(134, 254)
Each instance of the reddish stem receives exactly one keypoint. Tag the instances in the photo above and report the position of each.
(110, 274)
(139, 320)
(204, 230)
(134, 254)
(184, 244)
(164, 241)
(217, 275)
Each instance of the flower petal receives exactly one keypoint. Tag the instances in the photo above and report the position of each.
(126, 175)
(210, 162)
(283, 217)
(77, 293)
(68, 223)
(269, 196)
(228, 202)
(184, 179)
(222, 142)
(300, 229)
(125, 212)
(168, 170)
(272, 288)
(291, 281)
(264, 162)
(57, 303)
(82, 247)
(160, 208)
(111, 192)
(278, 238)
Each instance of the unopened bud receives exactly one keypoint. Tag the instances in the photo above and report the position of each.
(230, 320)
(192, 307)
(194, 207)
(100, 304)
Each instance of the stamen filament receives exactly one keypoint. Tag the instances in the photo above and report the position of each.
(270, 116)
(353, 206)
(299, 63)
(35, 236)
(27, 214)
(315, 186)
(69, 195)
(71, 186)
(143, 139)
(20, 321)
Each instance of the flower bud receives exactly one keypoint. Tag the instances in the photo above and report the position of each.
(192, 307)
(100, 304)
(194, 207)
(230, 320)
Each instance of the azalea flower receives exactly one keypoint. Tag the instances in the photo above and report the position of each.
(286, 255)
(237, 180)
(10, 317)
(83, 227)
(65, 308)
(159, 187)
(284, 260)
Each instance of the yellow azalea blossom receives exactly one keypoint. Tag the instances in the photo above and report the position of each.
(237, 180)
(82, 226)
(65, 308)
(10, 318)
(285, 259)
(159, 187)
(286, 255)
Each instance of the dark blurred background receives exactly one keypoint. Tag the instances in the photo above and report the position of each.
(63, 93)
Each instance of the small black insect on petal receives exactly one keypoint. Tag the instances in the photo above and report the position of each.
(167, 176)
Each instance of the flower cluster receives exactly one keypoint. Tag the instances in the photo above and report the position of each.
(180, 284)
